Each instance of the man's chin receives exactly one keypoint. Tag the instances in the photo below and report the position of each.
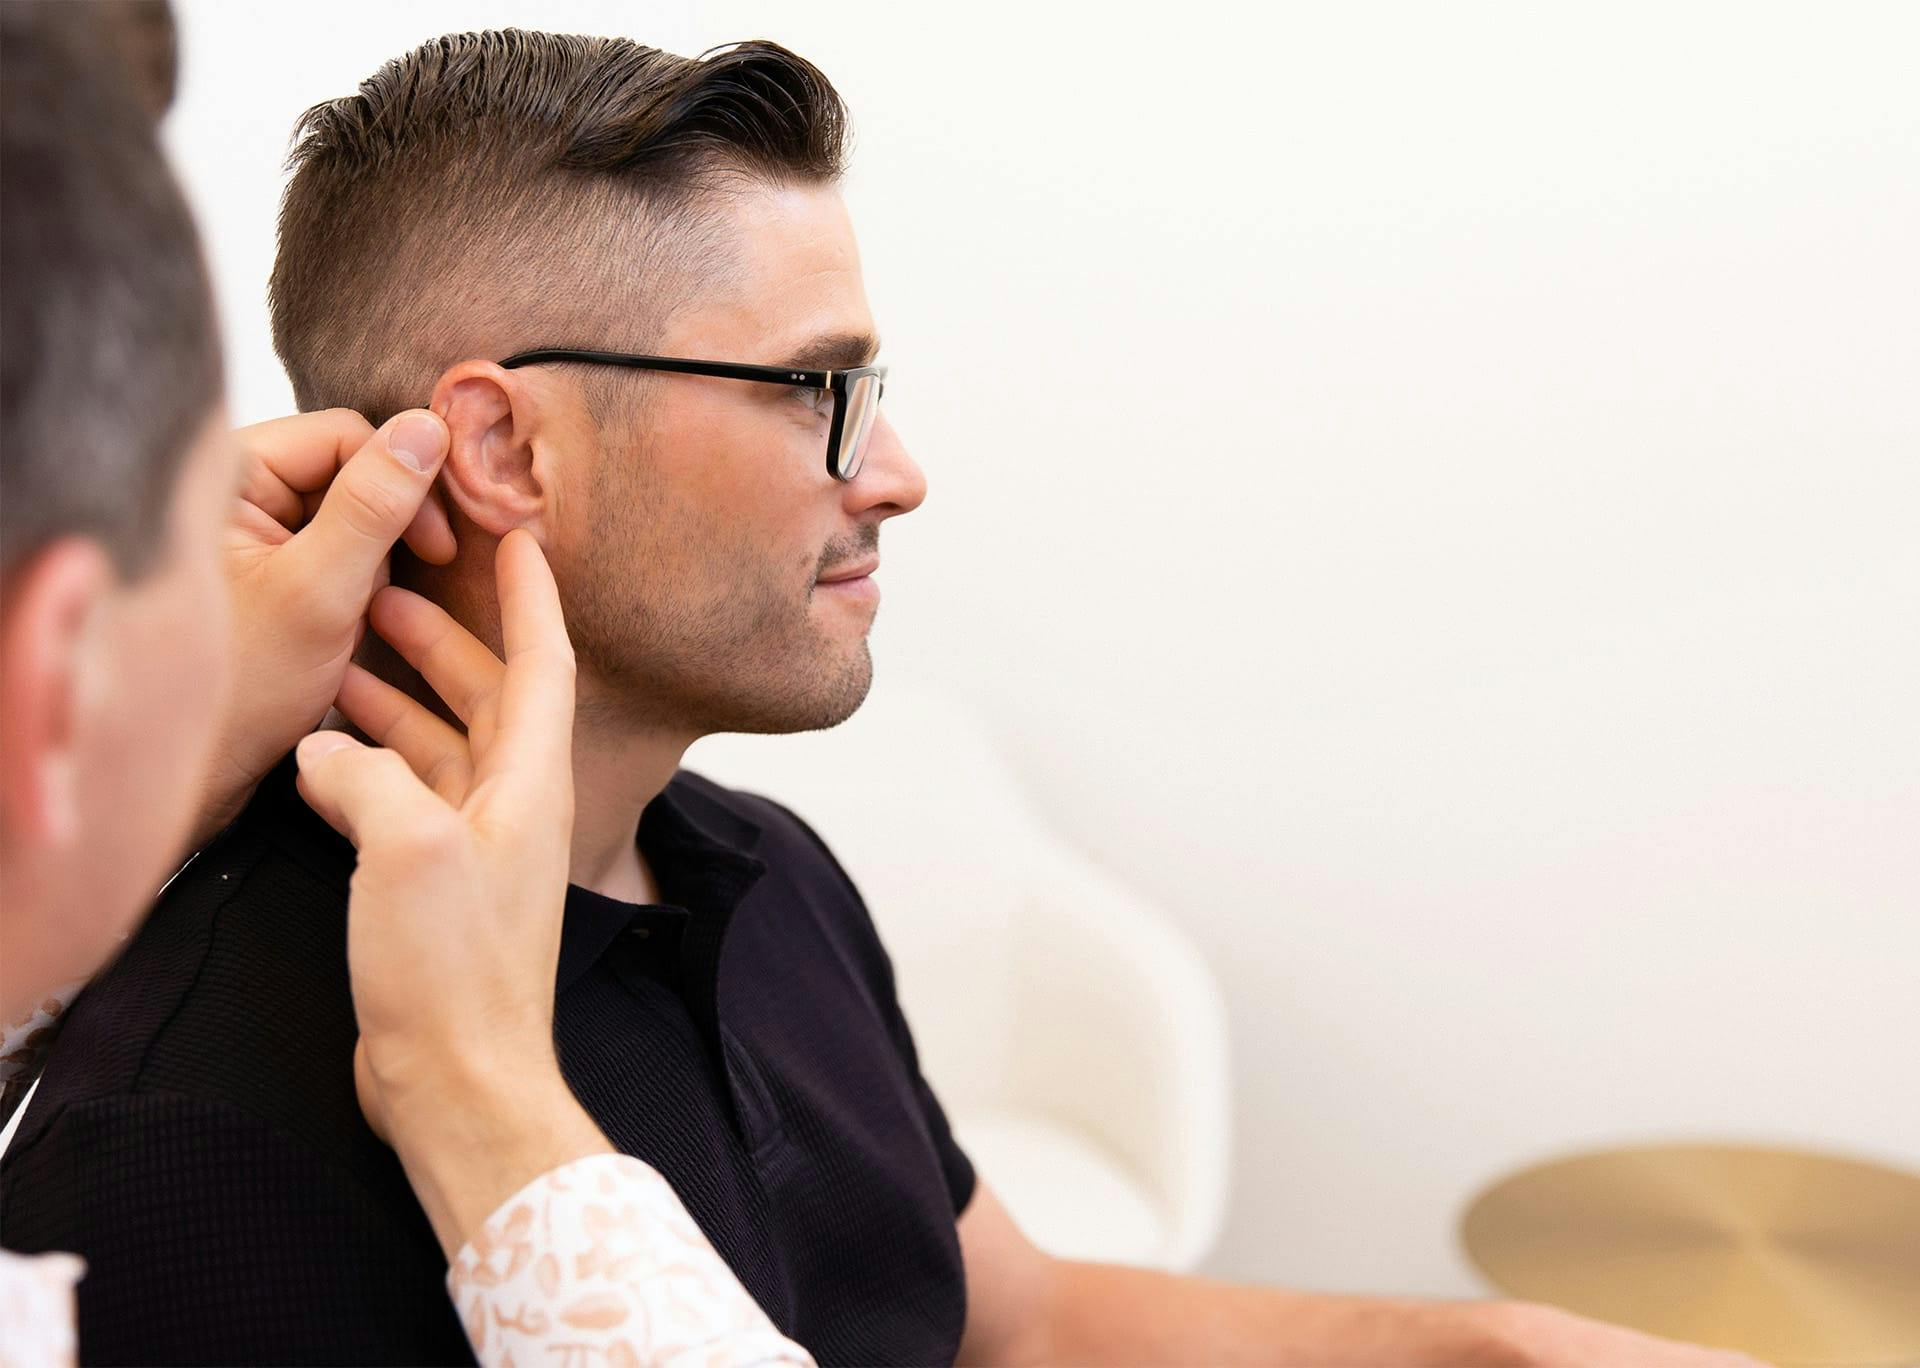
(828, 700)
(814, 696)
(838, 698)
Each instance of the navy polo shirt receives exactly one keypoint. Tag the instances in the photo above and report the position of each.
(196, 1136)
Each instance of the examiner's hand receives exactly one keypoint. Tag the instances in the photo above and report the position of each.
(1541, 1336)
(323, 499)
(453, 932)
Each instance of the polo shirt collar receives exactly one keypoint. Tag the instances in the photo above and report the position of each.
(700, 853)
(701, 857)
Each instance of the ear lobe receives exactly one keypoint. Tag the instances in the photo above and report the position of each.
(44, 625)
(490, 473)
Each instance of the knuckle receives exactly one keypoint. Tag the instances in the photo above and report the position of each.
(446, 771)
(367, 506)
(350, 418)
(388, 760)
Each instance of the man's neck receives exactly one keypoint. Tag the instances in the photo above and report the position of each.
(618, 768)
(616, 773)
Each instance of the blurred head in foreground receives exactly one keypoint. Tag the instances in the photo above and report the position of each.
(115, 471)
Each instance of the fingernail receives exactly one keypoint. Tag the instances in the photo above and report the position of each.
(418, 439)
(312, 748)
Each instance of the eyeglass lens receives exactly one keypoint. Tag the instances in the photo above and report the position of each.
(863, 402)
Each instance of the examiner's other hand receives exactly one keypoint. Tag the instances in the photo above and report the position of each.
(1541, 1336)
(323, 498)
(453, 925)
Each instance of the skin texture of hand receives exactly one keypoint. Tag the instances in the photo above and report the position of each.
(1026, 1307)
(323, 499)
(1546, 1337)
(453, 931)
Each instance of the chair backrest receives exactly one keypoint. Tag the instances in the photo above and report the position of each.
(1032, 979)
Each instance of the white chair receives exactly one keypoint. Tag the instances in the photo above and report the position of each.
(1075, 1037)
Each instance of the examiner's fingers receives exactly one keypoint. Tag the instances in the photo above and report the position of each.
(364, 793)
(533, 735)
(291, 461)
(430, 535)
(530, 614)
(380, 492)
(296, 455)
(455, 663)
(434, 750)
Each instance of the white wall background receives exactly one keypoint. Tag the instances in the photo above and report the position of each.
(1430, 497)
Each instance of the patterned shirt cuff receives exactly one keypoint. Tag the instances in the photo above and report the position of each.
(36, 1309)
(597, 1261)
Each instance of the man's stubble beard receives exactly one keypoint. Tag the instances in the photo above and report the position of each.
(713, 641)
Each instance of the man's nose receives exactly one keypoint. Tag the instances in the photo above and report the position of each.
(889, 481)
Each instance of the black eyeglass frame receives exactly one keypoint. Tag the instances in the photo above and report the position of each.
(838, 382)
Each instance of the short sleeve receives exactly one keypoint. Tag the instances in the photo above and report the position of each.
(955, 1167)
(954, 1164)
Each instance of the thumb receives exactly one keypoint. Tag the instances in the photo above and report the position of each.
(362, 791)
(375, 497)
(368, 1091)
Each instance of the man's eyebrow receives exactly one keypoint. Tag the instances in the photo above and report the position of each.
(835, 351)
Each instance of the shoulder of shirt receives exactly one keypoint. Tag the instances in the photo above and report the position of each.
(110, 1122)
(265, 878)
(761, 824)
(797, 856)
(96, 1168)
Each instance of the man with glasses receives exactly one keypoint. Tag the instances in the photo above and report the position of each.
(628, 284)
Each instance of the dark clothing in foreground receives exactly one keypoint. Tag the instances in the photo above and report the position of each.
(197, 1139)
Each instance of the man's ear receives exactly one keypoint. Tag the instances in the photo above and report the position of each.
(47, 613)
(496, 472)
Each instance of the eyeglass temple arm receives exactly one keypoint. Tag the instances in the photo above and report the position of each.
(725, 370)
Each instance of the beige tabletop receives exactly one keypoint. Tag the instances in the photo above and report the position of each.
(1801, 1259)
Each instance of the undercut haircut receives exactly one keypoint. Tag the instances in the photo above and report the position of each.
(109, 351)
(490, 192)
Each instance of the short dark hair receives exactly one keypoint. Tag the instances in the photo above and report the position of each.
(567, 170)
(109, 354)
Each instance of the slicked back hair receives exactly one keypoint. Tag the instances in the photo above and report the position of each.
(494, 191)
(109, 359)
